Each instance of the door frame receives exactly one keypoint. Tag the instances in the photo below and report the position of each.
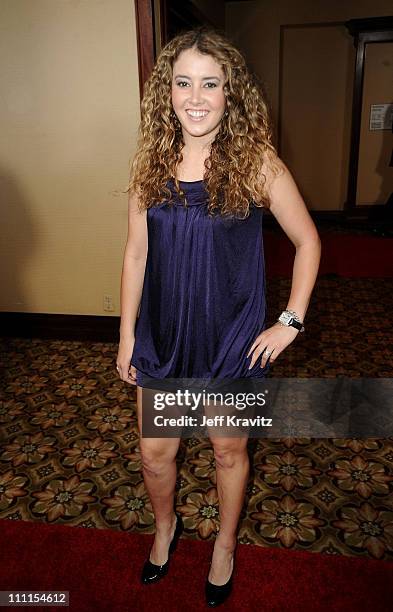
(364, 31)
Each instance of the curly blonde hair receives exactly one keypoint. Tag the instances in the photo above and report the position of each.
(233, 171)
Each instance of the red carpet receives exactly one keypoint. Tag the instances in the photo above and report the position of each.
(100, 568)
(347, 255)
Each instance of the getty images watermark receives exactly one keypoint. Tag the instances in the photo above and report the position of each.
(217, 416)
(268, 407)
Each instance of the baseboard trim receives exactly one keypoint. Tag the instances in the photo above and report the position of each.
(60, 326)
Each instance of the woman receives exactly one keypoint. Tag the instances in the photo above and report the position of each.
(204, 169)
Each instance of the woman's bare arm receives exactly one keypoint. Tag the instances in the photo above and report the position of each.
(134, 264)
(289, 208)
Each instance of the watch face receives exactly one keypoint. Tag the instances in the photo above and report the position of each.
(285, 318)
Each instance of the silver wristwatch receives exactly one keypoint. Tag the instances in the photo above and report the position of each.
(291, 319)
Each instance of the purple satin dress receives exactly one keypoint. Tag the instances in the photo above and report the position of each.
(203, 299)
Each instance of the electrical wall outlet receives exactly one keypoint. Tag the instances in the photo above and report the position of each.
(108, 303)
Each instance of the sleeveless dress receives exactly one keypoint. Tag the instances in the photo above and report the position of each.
(203, 299)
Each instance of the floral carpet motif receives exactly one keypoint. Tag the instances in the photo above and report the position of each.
(69, 449)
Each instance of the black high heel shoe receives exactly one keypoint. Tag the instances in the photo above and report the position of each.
(152, 572)
(216, 594)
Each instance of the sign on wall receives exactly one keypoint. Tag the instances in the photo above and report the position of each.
(381, 116)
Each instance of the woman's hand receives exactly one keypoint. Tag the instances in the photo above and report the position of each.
(126, 371)
(274, 339)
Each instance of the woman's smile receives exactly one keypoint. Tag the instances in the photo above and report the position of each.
(197, 115)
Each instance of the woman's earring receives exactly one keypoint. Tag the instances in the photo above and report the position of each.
(176, 121)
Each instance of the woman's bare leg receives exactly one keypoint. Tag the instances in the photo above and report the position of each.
(159, 474)
(232, 468)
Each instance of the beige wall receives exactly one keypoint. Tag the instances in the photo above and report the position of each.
(317, 66)
(69, 111)
(316, 109)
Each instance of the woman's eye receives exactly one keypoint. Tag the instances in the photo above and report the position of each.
(185, 84)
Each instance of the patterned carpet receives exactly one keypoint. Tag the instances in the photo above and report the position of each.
(69, 441)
